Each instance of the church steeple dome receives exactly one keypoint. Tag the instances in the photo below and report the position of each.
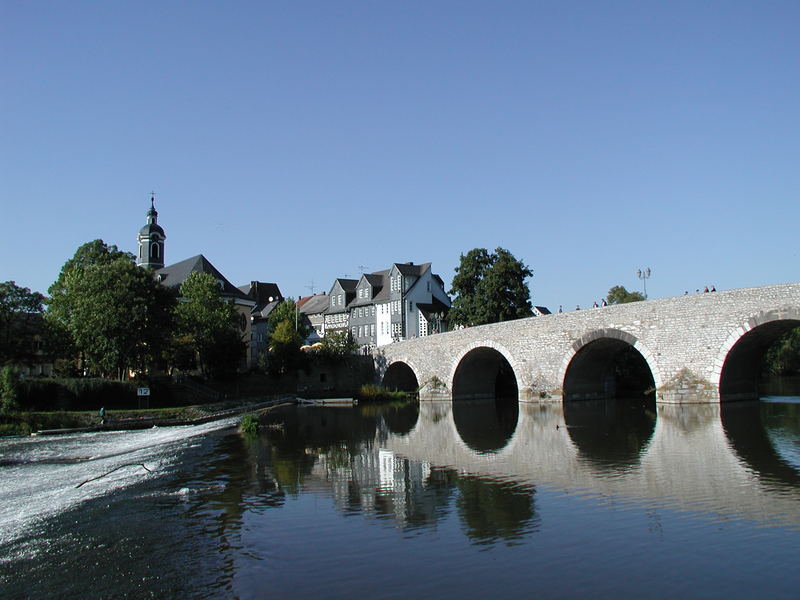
(151, 240)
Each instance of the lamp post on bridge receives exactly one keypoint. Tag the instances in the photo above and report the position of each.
(644, 276)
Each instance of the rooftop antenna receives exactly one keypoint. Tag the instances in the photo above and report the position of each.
(311, 287)
(362, 268)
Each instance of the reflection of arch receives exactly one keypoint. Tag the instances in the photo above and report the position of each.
(610, 434)
(589, 371)
(738, 363)
(749, 435)
(484, 370)
(400, 376)
(400, 420)
(486, 426)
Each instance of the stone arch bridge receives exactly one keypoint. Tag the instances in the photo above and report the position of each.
(695, 348)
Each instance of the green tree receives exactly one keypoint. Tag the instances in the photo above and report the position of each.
(284, 351)
(20, 323)
(96, 252)
(287, 311)
(116, 314)
(489, 288)
(337, 344)
(210, 323)
(619, 295)
(783, 357)
(9, 383)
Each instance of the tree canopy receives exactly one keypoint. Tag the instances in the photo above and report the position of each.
(619, 295)
(489, 288)
(210, 324)
(113, 312)
(20, 321)
(287, 311)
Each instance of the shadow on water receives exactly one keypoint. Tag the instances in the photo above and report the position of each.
(398, 417)
(486, 426)
(496, 510)
(611, 433)
(766, 437)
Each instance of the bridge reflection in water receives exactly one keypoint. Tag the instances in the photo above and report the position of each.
(729, 459)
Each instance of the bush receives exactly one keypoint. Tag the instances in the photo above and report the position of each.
(249, 424)
(77, 394)
(9, 390)
(372, 393)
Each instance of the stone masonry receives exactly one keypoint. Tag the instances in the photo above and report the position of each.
(685, 340)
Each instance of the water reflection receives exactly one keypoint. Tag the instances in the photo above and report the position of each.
(611, 434)
(336, 447)
(399, 418)
(766, 436)
(486, 425)
(324, 501)
(496, 510)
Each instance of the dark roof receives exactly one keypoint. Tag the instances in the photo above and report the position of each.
(375, 279)
(437, 306)
(542, 310)
(262, 292)
(314, 304)
(263, 310)
(150, 228)
(173, 276)
(412, 269)
(383, 294)
(348, 285)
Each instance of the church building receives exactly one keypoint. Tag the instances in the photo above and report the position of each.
(151, 255)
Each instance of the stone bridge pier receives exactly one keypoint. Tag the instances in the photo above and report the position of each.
(694, 348)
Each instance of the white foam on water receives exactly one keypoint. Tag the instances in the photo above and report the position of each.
(39, 476)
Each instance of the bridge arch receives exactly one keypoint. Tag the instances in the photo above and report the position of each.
(587, 371)
(484, 369)
(737, 366)
(400, 375)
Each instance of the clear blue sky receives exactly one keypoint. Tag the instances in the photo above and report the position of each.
(297, 141)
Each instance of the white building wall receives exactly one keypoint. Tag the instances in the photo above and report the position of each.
(383, 324)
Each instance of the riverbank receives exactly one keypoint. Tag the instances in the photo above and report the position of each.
(60, 422)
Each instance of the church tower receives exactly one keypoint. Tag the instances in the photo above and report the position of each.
(151, 241)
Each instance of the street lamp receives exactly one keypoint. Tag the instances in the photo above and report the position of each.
(644, 276)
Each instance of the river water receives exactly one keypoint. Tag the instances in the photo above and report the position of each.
(453, 500)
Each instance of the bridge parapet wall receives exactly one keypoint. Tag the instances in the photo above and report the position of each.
(683, 339)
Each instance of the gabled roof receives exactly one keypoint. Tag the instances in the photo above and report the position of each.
(172, 276)
(261, 292)
(375, 279)
(412, 269)
(348, 285)
(314, 305)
